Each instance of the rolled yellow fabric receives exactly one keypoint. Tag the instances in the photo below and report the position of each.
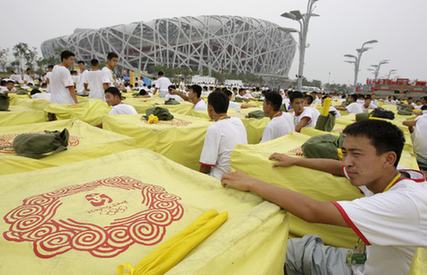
(172, 251)
(325, 107)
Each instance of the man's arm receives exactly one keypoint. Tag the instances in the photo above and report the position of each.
(72, 91)
(331, 166)
(181, 94)
(304, 207)
(304, 122)
(86, 85)
(410, 124)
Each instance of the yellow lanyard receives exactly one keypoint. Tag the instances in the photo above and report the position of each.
(393, 181)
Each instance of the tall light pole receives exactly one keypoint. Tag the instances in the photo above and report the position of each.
(391, 72)
(357, 58)
(377, 67)
(303, 20)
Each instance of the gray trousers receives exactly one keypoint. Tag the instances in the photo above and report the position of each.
(309, 256)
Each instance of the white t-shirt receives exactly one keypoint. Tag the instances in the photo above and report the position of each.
(278, 127)
(59, 81)
(221, 137)
(48, 77)
(419, 135)
(309, 112)
(123, 109)
(107, 76)
(16, 77)
(44, 96)
(176, 97)
(80, 83)
(94, 80)
(200, 106)
(235, 106)
(163, 84)
(28, 79)
(392, 225)
(354, 108)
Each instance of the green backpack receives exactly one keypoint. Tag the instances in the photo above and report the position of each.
(172, 101)
(39, 145)
(324, 146)
(258, 114)
(161, 113)
(326, 123)
(4, 102)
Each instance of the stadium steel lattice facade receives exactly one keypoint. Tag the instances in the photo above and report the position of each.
(216, 43)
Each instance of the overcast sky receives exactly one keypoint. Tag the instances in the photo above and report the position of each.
(399, 26)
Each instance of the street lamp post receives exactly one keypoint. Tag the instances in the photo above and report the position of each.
(377, 68)
(358, 58)
(303, 20)
(390, 73)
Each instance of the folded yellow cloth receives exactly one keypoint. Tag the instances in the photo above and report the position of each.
(325, 106)
(172, 251)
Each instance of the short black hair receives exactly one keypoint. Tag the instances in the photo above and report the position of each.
(66, 54)
(274, 99)
(354, 97)
(28, 69)
(160, 73)
(309, 98)
(295, 95)
(112, 55)
(219, 102)
(114, 91)
(196, 89)
(384, 135)
(50, 67)
(368, 97)
(424, 108)
(94, 62)
(10, 81)
(80, 62)
(171, 87)
(3, 82)
(227, 92)
(73, 72)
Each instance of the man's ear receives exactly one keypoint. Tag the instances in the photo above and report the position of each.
(390, 158)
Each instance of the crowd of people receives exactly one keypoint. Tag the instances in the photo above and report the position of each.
(390, 221)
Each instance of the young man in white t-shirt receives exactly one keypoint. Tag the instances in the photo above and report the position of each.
(303, 116)
(353, 107)
(28, 77)
(108, 75)
(281, 123)
(82, 75)
(162, 84)
(93, 81)
(368, 104)
(61, 84)
(114, 99)
(418, 129)
(391, 220)
(221, 137)
(194, 96)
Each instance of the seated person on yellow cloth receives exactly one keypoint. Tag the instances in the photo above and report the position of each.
(418, 129)
(391, 220)
(194, 96)
(303, 116)
(221, 137)
(234, 105)
(114, 99)
(281, 123)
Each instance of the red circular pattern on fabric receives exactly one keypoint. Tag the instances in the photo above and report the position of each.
(34, 221)
(6, 143)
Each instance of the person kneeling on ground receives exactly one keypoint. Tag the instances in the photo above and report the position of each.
(281, 123)
(303, 116)
(114, 99)
(391, 221)
(194, 96)
(221, 137)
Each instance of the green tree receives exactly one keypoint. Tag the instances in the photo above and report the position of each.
(24, 54)
(3, 58)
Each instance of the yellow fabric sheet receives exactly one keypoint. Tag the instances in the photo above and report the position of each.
(90, 216)
(172, 251)
(180, 140)
(91, 111)
(20, 115)
(85, 142)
